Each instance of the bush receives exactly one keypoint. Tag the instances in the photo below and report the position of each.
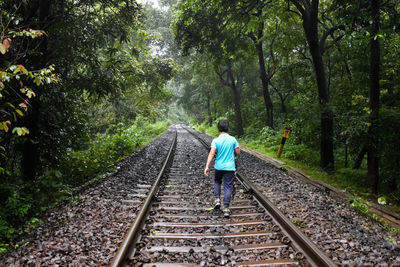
(351, 176)
(22, 202)
(269, 136)
(106, 149)
(16, 205)
(301, 153)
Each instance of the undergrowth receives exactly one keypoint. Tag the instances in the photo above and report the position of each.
(267, 141)
(23, 202)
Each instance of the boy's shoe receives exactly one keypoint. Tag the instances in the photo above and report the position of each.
(217, 204)
(227, 212)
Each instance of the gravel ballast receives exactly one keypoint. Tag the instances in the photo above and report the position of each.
(347, 237)
(87, 231)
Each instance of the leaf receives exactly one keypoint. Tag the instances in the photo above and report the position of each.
(19, 112)
(23, 69)
(5, 127)
(2, 127)
(25, 130)
(2, 49)
(30, 93)
(7, 43)
(18, 130)
(378, 35)
(58, 174)
(23, 106)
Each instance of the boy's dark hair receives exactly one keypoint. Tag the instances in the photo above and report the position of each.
(223, 126)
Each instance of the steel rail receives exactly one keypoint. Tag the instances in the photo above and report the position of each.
(315, 256)
(133, 233)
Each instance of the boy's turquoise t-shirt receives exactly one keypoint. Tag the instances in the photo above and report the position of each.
(225, 145)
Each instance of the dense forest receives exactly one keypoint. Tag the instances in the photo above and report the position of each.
(79, 90)
(83, 84)
(326, 69)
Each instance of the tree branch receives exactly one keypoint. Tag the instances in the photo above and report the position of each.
(341, 54)
(221, 77)
(298, 6)
(326, 34)
(304, 55)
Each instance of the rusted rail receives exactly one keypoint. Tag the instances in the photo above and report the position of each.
(134, 230)
(315, 256)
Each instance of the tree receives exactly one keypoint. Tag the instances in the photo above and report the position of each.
(309, 12)
(373, 139)
(194, 27)
(233, 83)
(28, 76)
(199, 87)
(248, 19)
(99, 49)
(238, 20)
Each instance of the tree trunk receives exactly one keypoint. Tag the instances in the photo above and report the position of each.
(215, 109)
(282, 98)
(30, 154)
(236, 101)
(372, 156)
(283, 106)
(30, 149)
(210, 119)
(310, 25)
(360, 157)
(263, 76)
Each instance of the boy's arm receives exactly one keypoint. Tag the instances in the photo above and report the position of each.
(237, 151)
(209, 159)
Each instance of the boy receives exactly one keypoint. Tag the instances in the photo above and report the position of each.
(226, 148)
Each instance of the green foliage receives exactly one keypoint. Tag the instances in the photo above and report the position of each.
(285, 168)
(299, 223)
(23, 202)
(359, 205)
(269, 136)
(14, 104)
(351, 179)
(106, 74)
(49, 187)
(362, 206)
(107, 148)
(211, 130)
(16, 203)
(301, 153)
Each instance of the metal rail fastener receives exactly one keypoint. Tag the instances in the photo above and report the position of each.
(134, 230)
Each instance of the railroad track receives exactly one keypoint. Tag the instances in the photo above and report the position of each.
(176, 225)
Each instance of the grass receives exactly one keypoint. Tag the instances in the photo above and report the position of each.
(340, 181)
(306, 160)
(346, 179)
